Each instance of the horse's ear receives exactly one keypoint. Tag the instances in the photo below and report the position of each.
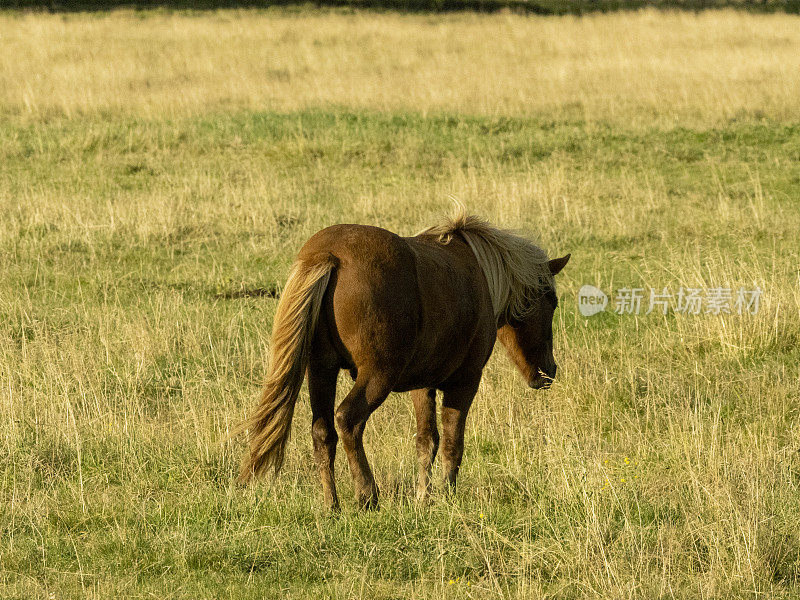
(558, 263)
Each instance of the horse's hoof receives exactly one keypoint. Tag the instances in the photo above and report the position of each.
(369, 501)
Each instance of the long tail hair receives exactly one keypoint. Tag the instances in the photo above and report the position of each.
(292, 330)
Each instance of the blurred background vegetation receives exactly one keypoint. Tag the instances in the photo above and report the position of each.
(543, 7)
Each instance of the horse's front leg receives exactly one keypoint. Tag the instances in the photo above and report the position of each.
(427, 438)
(455, 406)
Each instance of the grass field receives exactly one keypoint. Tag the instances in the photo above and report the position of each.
(157, 170)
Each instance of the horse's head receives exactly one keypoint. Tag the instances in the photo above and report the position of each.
(529, 341)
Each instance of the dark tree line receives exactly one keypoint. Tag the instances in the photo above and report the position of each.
(546, 7)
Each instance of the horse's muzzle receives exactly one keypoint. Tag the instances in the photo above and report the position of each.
(543, 379)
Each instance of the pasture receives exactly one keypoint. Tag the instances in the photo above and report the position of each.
(158, 172)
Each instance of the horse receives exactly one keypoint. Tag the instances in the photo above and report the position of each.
(418, 314)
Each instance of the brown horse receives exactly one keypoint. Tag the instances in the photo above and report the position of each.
(419, 314)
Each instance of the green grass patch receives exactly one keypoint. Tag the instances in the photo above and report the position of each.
(140, 260)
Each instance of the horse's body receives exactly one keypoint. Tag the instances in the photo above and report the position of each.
(419, 314)
(396, 308)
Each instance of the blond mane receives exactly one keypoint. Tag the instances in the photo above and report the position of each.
(516, 269)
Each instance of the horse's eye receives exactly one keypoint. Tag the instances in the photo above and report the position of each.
(551, 296)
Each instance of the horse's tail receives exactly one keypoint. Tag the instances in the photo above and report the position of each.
(292, 330)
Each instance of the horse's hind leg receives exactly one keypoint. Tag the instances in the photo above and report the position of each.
(455, 406)
(427, 438)
(351, 418)
(322, 390)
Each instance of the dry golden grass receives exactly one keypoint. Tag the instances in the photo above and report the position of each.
(707, 67)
